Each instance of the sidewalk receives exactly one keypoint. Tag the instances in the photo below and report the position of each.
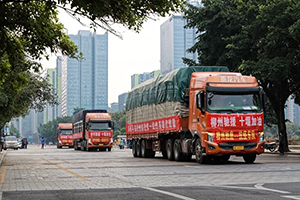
(2, 153)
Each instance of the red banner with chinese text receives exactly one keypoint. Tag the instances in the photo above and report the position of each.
(243, 121)
(153, 126)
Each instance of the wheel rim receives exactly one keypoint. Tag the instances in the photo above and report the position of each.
(143, 149)
(198, 152)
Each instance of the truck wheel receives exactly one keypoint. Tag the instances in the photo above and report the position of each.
(170, 151)
(109, 149)
(143, 149)
(178, 156)
(133, 150)
(198, 151)
(82, 146)
(249, 158)
(138, 148)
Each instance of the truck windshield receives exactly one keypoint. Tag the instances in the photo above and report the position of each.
(66, 132)
(233, 102)
(96, 126)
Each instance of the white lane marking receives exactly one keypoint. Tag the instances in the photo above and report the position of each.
(169, 193)
(236, 187)
(260, 187)
(292, 197)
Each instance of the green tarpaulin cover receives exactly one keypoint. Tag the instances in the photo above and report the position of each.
(170, 87)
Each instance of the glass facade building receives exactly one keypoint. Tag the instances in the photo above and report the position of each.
(174, 41)
(137, 79)
(85, 82)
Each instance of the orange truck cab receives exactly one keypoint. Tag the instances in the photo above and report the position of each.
(64, 135)
(92, 129)
(226, 115)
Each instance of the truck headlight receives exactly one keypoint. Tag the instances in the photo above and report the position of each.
(90, 141)
(210, 137)
(111, 140)
(59, 141)
(261, 137)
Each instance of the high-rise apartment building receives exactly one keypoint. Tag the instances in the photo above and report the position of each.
(122, 101)
(136, 79)
(174, 41)
(50, 111)
(85, 82)
(58, 85)
(292, 111)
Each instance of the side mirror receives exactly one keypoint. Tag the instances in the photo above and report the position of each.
(264, 100)
(87, 125)
(112, 125)
(200, 101)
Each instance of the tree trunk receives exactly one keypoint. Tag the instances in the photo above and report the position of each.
(282, 126)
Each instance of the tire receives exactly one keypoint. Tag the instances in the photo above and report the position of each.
(272, 149)
(169, 147)
(109, 149)
(82, 147)
(144, 153)
(249, 159)
(138, 148)
(178, 156)
(133, 150)
(225, 158)
(198, 152)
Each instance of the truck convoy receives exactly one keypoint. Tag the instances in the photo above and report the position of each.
(92, 130)
(208, 112)
(64, 135)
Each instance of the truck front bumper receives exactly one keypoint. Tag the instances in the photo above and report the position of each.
(234, 148)
(100, 145)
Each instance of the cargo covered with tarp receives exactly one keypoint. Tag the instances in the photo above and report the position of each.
(163, 96)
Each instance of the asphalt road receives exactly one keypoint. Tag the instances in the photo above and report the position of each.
(53, 173)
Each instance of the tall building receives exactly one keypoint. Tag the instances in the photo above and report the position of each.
(58, 85)
(85, 82)
(292, 111)
(50, 112)
(136, 79)
(122, 100)
(174, 41)
(114, 107)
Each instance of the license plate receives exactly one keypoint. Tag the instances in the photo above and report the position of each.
(238, 147)
(67, 144)
(100, 144)
(11, 145)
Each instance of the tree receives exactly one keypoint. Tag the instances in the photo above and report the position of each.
(34, 94)
(119, 119)
(13, 130)
(49, 130)
(28, 28)
(256, 37)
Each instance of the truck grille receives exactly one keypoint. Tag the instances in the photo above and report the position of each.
(229, 145)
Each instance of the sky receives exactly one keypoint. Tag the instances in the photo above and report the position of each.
(136, 53)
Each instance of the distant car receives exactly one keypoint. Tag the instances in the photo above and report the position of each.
(10, 142)
(50, 143)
